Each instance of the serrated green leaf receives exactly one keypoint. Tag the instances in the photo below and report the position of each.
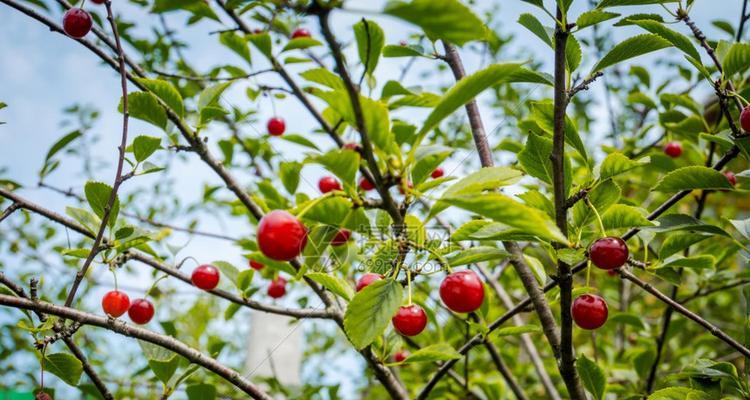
(630, 48)
(201, 391)
(616, 164)
(476, 254)
(593, 17)
(691, 178)
(682, 222)
(677, 39)
(440, 19)
(624, 216)
(210, 95)
(618, 3)
(433, 353)
(531, 23)
(392, 51)
(370, 311)
(64, 366)
(518, 330)
(97, 195)
(333, 283)
(301, 43)
(227, 270)
(679, 393)
(592, 376)
(343, 163)
(427, 159)
(324, 77)
(483, 179)
(370, 40)
(145, 106)
(145, 146)
(237, 44)
(471, 86)
(737, 59)
(166, 92)
(605, 195)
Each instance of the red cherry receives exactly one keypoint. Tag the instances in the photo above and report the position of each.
(257, 31)
(367, 279)
(462, 291)
(141, 311)
(352, 146)
(673, 149)
(77, 23)
(341, 237)
(410, 320)
(115, 303)
(276, 126)
(281, 236)
(365, 184)
(300, 33)
(437, 173)
(589, 311)
(609, 253)
(206, 277)
(277, 288)
(256, 265)
(400, 355)
(98, 1)
(745, 119)
(328, 183)
(731, 177)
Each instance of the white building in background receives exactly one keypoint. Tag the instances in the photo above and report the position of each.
(274, 348)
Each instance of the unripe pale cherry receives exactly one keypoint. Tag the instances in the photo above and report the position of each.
(328, 183)
(277, 288)
(609, 253)
(745, 119)
(673, 149)
(462, 291)
(341, 237)
(141, 311)
(205, 277)
(256, 265)
(115, 303)
(77, 23)
(276, 126)
(281, 236)
(410, 320)
(589, 311)
(437, 173)
(367, 279)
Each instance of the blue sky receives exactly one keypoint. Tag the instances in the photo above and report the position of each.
(43, 72)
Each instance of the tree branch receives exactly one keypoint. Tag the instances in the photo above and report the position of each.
(8, 211)
(125, 329)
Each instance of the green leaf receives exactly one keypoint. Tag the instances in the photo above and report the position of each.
(476, 254)
(617, 3)
(593, 17)
(682, 222)
(201, 391)
(301, 43)
(391, 51)
(375, 113)
(427, 159)
(623, 216)
(61, 143)
(469, 87)
(244, 279)
(166, 92)
(632, 47)
(592, 376)
(502, 209)
(692, 177)
(343, 163)
(97, 195)
(64, 366)
(483, 179)
(602, 198)
(164, 370)
(199, 8)
(440, 19)
(228, 270)
(370, 311)
(289, 173)
(677, 39)
(542, 112)
(534, 157)
(300, 140)
(155, 352)
(518, 330)
(333, 283)
(145, 106)
(433, 353)
(573, 56)
(262, 41)
(531, 23)
(737, 59)
(370, 41)
(616, 164)
(210, 95)
(324, 77)
(628, 319)
(679, 393)
(145, 146)
(237, 44)
(693, 262)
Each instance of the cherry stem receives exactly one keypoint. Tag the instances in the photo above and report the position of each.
(154, 284)
(408, 282)
(588, 273)
(598, 217)
(115, 276)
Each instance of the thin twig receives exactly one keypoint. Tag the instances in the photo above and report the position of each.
(8, 211)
